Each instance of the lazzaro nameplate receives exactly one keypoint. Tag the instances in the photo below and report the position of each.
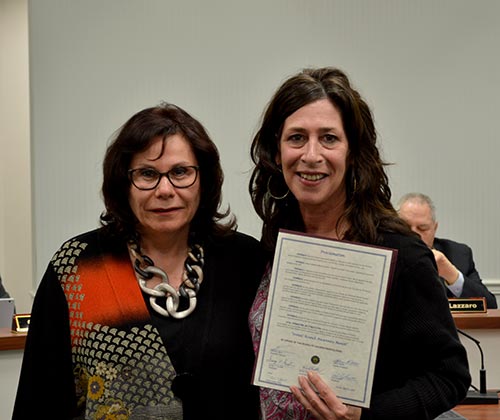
(458, 305)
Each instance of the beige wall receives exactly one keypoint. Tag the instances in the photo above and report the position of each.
(427, 68)
(16, 262)
(17, 259)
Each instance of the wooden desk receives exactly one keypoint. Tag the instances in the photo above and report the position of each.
(10, 340)
(474, 321)
(479, 412)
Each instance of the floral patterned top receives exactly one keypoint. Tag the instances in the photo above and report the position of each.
(274, 404)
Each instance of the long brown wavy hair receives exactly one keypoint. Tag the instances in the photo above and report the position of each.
(368, 197)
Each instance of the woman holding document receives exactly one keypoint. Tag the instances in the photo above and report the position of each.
(318, 170)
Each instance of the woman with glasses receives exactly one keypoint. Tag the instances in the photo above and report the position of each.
(146, 317)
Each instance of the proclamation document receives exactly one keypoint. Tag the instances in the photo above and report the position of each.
(324, 313)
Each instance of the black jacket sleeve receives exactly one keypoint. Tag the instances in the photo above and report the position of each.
(46, 385)
(422, 368)
(474, 286)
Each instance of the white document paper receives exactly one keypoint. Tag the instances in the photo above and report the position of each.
(323, 314)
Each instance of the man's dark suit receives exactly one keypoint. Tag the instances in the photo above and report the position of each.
(460, 256)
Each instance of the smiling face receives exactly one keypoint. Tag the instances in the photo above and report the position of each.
(165, 209)
(313, 154)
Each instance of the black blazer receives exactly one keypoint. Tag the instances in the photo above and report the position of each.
(460, 256)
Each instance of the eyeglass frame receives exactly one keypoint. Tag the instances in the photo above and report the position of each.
(164, 174)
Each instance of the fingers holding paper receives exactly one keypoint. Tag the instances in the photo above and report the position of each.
(320, 400)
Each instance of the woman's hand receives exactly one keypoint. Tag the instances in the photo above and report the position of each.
(319, 400)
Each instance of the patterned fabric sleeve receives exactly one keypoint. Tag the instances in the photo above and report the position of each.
(275, 404)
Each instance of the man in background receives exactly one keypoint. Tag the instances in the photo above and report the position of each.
(3, 292)
(454, 260)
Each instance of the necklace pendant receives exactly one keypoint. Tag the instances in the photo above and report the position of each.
(191, 280)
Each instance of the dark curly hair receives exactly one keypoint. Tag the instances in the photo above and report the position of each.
(368, 196)
(135, 136)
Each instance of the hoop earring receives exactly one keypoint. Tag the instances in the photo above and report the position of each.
(271, 194)
(354, 184)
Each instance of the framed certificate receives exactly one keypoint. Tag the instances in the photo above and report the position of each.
(324, 313)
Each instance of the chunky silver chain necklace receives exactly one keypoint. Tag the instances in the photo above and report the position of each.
(191, 279)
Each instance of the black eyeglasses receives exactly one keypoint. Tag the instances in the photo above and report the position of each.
(149, 178)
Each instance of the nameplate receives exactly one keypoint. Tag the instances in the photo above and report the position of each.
(21, 322)
(458, 305)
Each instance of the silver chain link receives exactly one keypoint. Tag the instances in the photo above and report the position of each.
(191, 280)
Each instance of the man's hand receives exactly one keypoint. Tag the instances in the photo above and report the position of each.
(446, 269)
